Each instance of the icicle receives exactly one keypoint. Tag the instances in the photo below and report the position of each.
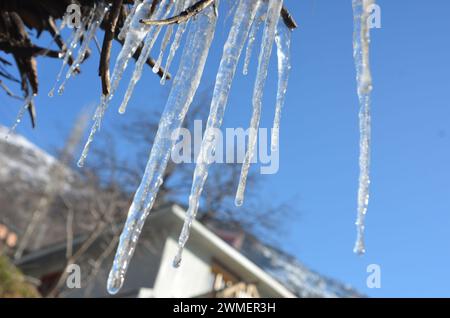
(99, 113)
(136, 33)
(62, 25)
(134, 37)
(227, 69)
(126, 25)
(23, 109)
(252, 37)
(184, 87)
(175, 44)
(93, 25)
(361, 46)
(150, 40)
(164, 44)
(179, 7)
(95, 19)
(73, 45)
(273, 15)
(86, 26)
(283, 41)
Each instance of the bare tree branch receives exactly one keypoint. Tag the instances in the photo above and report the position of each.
(110, 30)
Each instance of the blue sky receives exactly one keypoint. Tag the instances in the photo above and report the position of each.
(409, 214)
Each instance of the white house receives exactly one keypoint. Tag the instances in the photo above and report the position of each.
(210, 266)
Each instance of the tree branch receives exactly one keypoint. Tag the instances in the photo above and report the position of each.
(105, 56)
(202, 5)
(183, 16)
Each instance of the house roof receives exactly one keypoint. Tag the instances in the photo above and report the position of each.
(232, 257)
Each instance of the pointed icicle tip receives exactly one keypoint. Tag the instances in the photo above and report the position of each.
(359, 249)
(114, 285)
(177, 259)
(80, 163)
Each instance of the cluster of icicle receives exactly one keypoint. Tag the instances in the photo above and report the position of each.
(361, 50)
(84, 33)
(248, 17)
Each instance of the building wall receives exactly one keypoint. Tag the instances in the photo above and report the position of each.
(191, 279)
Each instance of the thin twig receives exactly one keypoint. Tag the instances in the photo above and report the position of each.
(83, 248)
(183, 16)
(153, 7)
(107, 44)
(288, 19)
(202, 5)
(8, 91)
(28, 51)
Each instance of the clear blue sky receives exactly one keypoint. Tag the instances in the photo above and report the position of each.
(409, 215)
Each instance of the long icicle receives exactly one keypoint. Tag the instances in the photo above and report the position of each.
(180, 98)
(252, 37)
(361, 50)
(283, 41)
(162, 12)
(273, 15)
(136, 33)
(69, 52)
(94, 21)
(175, 45)
(134, 37)
(23, 109)
(169, 30)
(162, 50)
(227, 69)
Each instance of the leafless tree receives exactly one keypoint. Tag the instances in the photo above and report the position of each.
(97, 197)
(258, 215)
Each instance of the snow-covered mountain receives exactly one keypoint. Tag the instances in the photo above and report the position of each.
(27, 174)
(22, 160)
(27, 165)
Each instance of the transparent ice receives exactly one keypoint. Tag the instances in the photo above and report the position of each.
(273, 15)
(361, 50)
(185, 85)
(227, 69)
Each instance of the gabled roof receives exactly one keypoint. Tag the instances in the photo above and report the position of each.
(233, 259)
